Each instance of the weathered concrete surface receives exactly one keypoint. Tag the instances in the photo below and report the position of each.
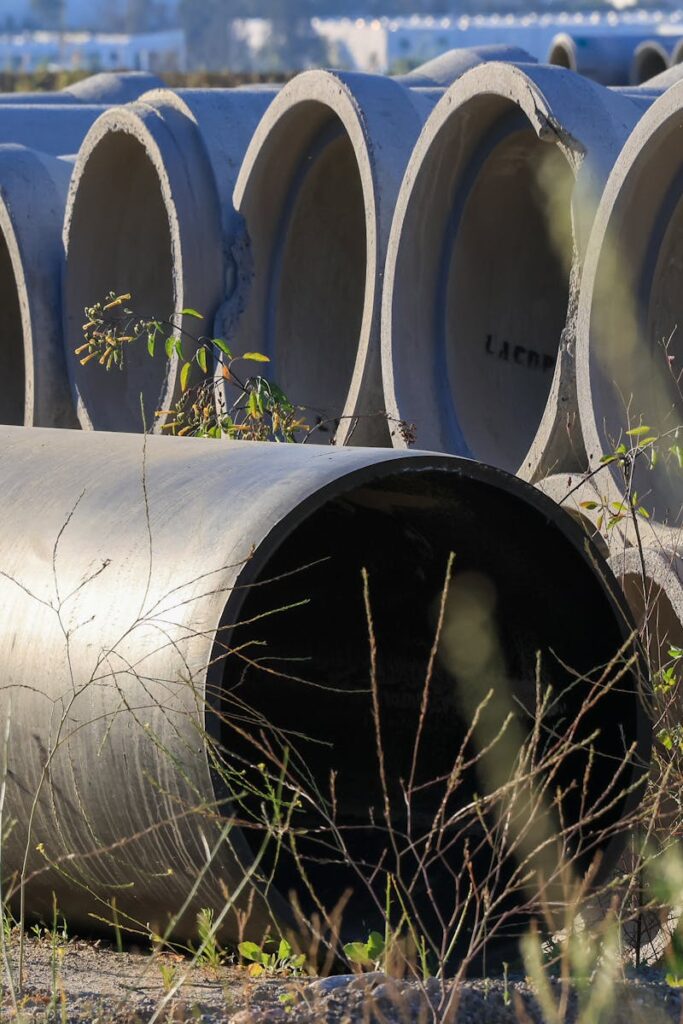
(653, 586)
(33, 190)
(158, 564)
(482, 276)
(108, 88)
(155, 178)
(629, 342)
(55, 129)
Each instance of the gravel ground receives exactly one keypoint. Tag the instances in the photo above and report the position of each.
(97, 985)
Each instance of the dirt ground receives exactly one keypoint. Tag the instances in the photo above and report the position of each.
(92, 983)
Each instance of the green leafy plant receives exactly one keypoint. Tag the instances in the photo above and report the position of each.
(209, 953)
(257, 410)
(282, 961)
(367, 954)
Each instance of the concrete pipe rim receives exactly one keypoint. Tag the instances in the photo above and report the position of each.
(394, 469)
(146, 134)
(14, 279)
(604, 294)
(337, 108)
(516, 92)
(562, 52)
(649, 60)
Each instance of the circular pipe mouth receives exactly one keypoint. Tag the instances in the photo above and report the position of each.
(300, 612)
(650, 60)
(120, 237)
(562, 53)
(484, 226)
(305, 193)
(630, 342)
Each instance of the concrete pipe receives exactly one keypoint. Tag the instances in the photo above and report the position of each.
(155, 180)
(106, 88)
(677, 54)
(607, 59)
(483, 264)
(650, 59)
(653, 588)
(54, 129)
(33, 190)
(317, 191)
(629, 342)
(153, 578)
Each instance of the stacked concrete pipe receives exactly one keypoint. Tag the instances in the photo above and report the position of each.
(35, 130)
(197, 249)
(629, 346)
(607, 59)
(650, 59)
(484, 262)
(112, 723)
(155, 178)
(107, 88)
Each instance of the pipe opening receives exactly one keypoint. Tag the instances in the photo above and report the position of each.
(636, 329)
(562, 56)
(306, 216)
(650, 61)
(120, 241)
(12, 361)
(502, 608)
(505, 287)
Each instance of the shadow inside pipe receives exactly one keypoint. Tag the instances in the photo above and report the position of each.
(409, 808)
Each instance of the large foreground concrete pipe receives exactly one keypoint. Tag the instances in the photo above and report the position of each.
(629, 341)
(482, 274)
(154, 178)
(35, 389)
(607, 59)
(134, 600)
(317, 191)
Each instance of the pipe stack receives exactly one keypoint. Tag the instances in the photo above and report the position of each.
(486, 248)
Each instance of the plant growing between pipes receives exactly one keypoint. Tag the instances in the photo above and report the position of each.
(259, 410)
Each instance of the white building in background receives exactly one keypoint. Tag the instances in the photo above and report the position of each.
(149, 51)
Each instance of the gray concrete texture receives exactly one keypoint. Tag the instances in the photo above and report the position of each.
(108, 87)
(140, 583)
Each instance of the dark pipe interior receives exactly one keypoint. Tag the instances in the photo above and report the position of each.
(402, 530)
(120, 241)
(561, 56)
(12, 368)
(318, 268)
(651, 63)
